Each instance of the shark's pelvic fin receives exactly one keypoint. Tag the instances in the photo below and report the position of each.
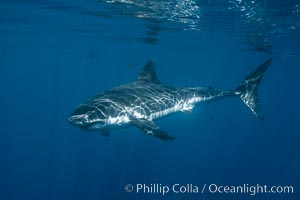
(249, 86)
(148, 73)
(152, 129)
(105, 133)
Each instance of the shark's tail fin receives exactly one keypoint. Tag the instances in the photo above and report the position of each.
(249, 86)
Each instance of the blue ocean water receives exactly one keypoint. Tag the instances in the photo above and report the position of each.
(55, 54)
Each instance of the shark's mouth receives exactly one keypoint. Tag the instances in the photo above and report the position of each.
(93, 126)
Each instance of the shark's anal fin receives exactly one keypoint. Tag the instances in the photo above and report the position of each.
(190, 111)
(105, 133)
(152, 129)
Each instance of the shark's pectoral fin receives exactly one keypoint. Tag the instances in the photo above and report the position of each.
(105, 133)
(152, 129)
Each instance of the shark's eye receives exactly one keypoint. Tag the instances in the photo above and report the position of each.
(96, 116)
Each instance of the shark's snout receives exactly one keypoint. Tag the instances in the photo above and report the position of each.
(78, 120)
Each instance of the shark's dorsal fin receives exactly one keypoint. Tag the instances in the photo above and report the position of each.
(148, 73)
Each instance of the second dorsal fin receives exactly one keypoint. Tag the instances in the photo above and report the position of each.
(148, 73)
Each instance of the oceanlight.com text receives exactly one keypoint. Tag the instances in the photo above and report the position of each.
(189, 188)
(250, 189)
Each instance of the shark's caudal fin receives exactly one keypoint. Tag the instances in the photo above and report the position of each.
(249, 86)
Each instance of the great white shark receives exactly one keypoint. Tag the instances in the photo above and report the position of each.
(141, 102)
